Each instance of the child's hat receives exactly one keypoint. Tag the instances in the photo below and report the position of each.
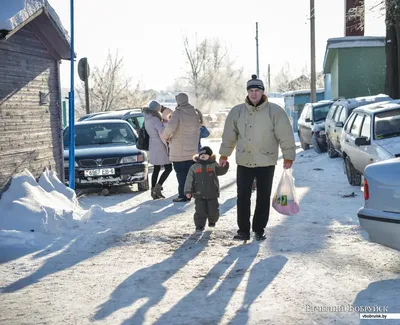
(205, 150)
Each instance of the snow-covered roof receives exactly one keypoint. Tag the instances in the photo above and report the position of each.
(301, 92)
(355, 41)
(351, 42)
(16, 12)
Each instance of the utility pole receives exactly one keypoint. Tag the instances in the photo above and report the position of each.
(71, 156)
(258, 66)
(313, 73)
(269, 77)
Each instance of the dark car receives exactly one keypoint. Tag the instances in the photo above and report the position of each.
(86, 116)
(133, 116)
(106, 155)
(337, 117)
(312, 125)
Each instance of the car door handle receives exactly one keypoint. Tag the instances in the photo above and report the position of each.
(346, 140)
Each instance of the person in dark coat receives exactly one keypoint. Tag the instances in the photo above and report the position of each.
(202, 184)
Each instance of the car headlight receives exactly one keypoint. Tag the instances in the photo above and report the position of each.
(66, 163)
(131, 159)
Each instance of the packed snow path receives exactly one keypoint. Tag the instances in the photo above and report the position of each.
(138, 261)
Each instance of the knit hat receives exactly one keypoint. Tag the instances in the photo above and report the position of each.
(182, 99)
(205, 150)
(255, 83)
(155, 105)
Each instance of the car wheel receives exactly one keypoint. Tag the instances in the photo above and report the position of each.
(316, 145)
(144, 186)
(304, 145)
(331, 151)
(353, 176)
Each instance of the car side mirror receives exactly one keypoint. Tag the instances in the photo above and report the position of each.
(339, 124)
(308, 120)
(362, 141)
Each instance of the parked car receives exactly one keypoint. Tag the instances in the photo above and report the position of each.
(133, 116)
(380, 216)
(106, 154)
(311, 125)
(86, 116)
(337, 116)
(371, 134)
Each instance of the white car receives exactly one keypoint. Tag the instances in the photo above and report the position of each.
(380, 216)
(371, 134)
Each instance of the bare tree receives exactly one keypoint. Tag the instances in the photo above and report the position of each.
(138, 97)
(108, 86)
(392, 48)
(285, 82)
(283, 78)
(356, 15)
(110, 89)
(211, 74)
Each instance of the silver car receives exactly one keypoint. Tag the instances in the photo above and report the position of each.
(380, 216)
(371, 134)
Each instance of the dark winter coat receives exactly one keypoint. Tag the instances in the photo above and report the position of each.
(202, 179)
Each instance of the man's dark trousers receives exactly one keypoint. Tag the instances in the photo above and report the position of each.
(181, 170)
(245, 177)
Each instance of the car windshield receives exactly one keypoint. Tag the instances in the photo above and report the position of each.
(101, 133)
(387, 124)
(320, 112)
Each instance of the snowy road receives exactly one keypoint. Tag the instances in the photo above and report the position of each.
(136, 261)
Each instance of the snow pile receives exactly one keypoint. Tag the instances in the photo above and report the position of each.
(46, 206)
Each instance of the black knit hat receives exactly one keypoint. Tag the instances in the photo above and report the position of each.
(205, 150)
(255, 83)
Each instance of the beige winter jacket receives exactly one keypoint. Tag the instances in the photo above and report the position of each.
(183, 131)
(257, 133)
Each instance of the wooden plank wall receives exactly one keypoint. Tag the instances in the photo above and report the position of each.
(30, 133)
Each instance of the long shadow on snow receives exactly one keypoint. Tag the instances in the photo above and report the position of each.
(227, 205)
(83, 247)
(149, 281)
(309, 230)
(261, 275)
(204, 305)
(381, 294)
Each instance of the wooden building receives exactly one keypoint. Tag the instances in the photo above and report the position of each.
(30, 96)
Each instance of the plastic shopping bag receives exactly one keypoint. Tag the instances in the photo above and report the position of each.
(285, 200)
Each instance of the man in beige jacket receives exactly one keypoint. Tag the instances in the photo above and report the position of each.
(182, 132)
(257, 128)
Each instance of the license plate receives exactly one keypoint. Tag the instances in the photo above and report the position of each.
(99, 172)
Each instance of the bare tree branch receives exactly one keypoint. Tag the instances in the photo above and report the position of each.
(210, 73)
(110, 89)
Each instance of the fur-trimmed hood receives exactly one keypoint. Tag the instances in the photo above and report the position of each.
(148, 113)
(264, 99)
(211, 160)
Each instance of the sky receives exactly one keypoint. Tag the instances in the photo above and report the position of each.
(149, 35)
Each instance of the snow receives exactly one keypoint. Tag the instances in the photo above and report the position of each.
(45, 206)
(358, 101)
(355, 41)
(15, 12)
(301, 92)
(132, 260)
